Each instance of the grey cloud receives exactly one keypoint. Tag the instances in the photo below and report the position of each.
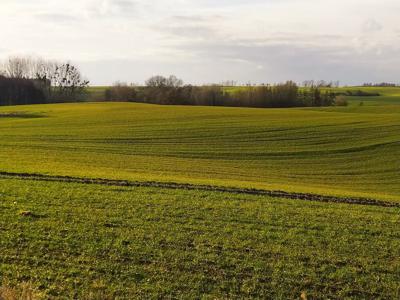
(195, 19)
(57, 18)
(190, 31)
(277, 58)
(116, 8)
(124, 5)
(214, 62)
(372, 25)
(275, 61)
(190, 27)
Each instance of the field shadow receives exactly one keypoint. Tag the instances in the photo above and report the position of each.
(21, 115)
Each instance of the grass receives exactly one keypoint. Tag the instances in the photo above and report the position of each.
(24, 291)
(159, 243)
(342, 151)
(64, 238)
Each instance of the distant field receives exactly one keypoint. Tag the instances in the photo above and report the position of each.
(387, 92)
(96, 93)
(127, 200)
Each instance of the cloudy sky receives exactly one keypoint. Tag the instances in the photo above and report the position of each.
(205, 41)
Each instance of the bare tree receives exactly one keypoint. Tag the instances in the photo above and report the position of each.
(309, 83)
(44, 69)
(29, 68)
(43, 72)
(68, 82)
(156, 81)
(174, 82)
(161, 81)
(17, 67)
(35, 78)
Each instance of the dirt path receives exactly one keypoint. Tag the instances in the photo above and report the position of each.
(172, 185)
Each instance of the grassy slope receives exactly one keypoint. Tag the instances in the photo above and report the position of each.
(83, 241)
(343, 151)
(158, 243)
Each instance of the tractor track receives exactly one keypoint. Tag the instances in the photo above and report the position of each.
(184, 186)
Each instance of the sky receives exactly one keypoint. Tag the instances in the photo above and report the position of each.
(210, 41)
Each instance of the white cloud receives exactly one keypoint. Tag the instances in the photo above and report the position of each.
(204, 40)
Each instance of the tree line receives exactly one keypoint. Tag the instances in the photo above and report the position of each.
(172, 91)
(382, 84)
(26, 80)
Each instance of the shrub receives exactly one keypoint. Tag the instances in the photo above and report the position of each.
(15, 91)
(341, 101)
(360, 93)
(121, 92)
(281, 95)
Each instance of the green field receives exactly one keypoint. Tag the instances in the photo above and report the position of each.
(350, 150)
(97, 239)
(160, 243)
